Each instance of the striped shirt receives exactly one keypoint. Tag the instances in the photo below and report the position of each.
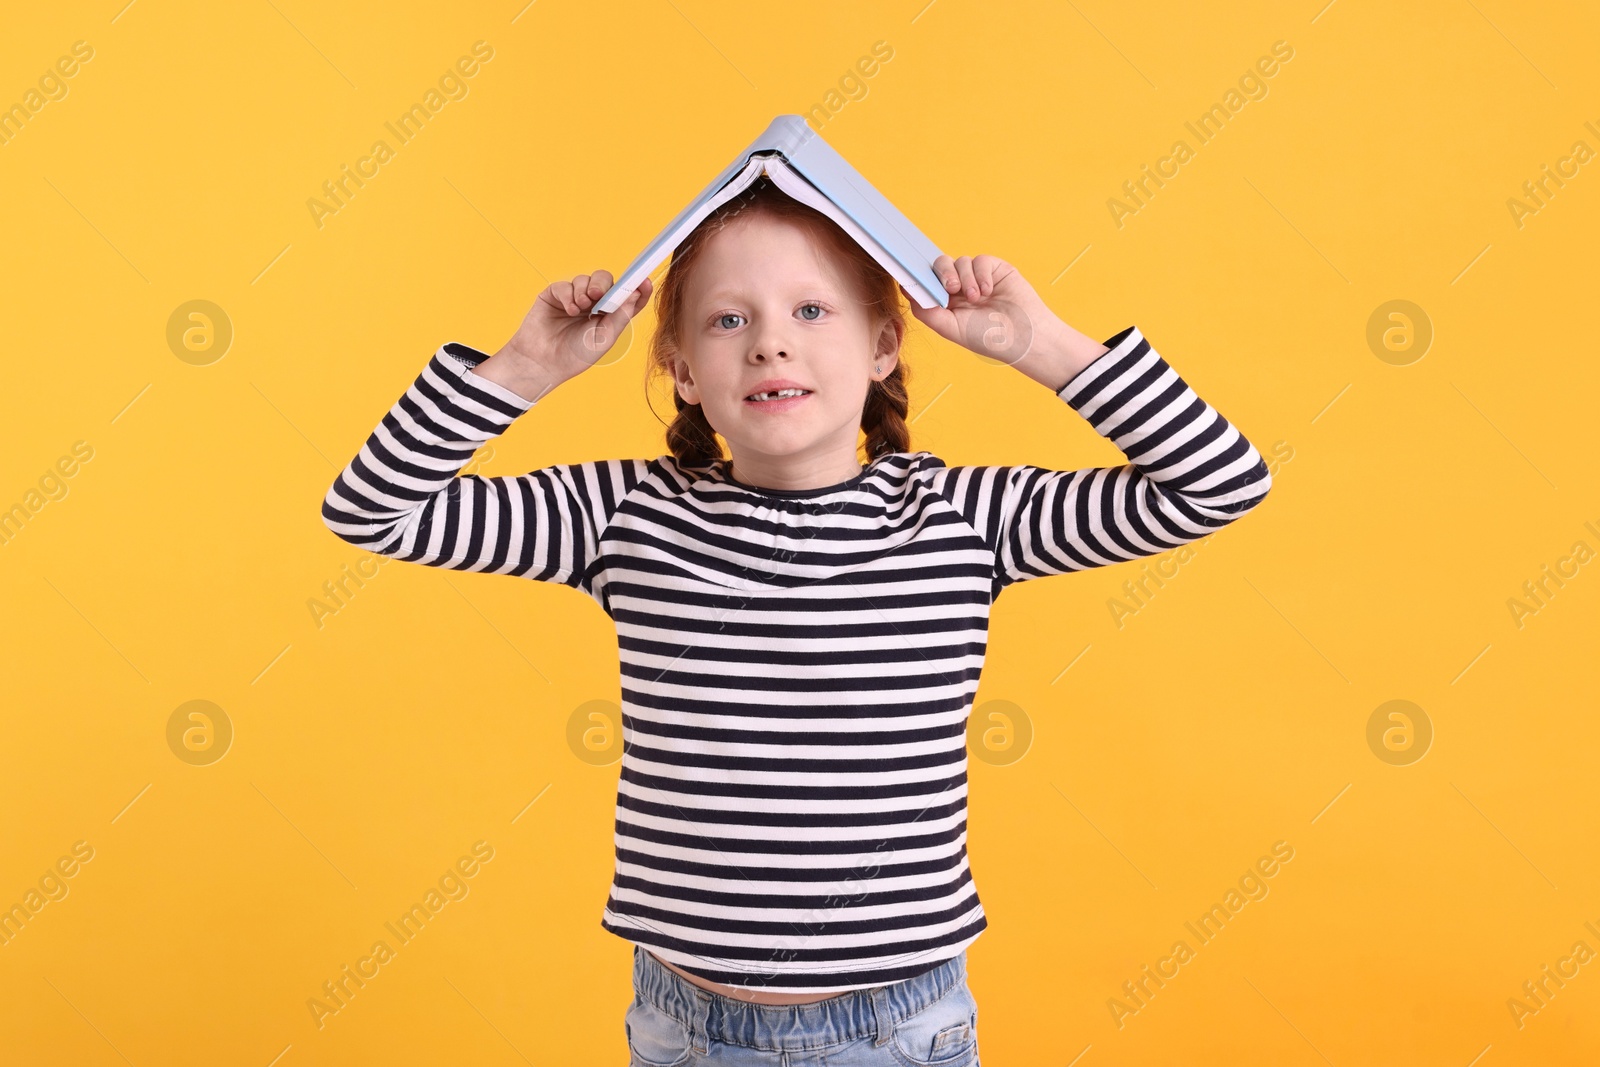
(797, 665)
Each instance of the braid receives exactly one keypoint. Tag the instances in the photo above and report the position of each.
(884, 416)
(690, 437)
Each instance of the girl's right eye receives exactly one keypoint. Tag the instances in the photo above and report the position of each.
(727, 315)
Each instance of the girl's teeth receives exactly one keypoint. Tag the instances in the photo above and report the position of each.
(779, 394)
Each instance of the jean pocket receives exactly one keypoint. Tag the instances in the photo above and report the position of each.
(655, 1039)
(944, 1034)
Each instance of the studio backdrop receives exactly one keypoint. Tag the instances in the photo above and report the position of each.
(1317, 789)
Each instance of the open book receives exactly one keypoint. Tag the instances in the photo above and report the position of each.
(803, 165)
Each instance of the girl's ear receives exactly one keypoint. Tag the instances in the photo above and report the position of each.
(683, 380)
(887, 352)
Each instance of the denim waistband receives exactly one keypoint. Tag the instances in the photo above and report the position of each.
(848, 1016)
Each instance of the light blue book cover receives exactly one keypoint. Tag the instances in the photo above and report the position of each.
(789, 148)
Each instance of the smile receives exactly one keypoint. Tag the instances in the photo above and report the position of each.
(777, 394)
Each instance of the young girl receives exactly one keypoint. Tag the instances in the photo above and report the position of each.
(800, 633)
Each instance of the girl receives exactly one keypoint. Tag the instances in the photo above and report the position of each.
(800, 633)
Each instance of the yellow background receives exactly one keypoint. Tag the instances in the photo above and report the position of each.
(1227, 714)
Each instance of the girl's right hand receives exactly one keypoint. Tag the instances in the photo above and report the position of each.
(559, 339)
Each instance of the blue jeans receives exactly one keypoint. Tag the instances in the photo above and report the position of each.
(927, 1021)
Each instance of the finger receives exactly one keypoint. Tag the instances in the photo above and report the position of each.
(983, 268)
(941, 321)
(635, 301)
(580, 292)
(629, 308)
(601, 283)
(596, 287)
(641, 296)
(969, 284)
(562, 292)
(606, 329)
(945, 268)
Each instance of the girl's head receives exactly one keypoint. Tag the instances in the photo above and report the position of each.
(767, 288)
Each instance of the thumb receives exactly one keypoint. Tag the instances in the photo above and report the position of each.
(630, 306)
(603, 331)
(940, 320)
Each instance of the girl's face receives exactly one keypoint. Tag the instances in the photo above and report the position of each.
(764, 306)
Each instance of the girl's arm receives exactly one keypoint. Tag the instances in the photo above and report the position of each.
(403, 496)
(1190, 471)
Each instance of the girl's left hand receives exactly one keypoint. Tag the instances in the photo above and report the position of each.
(993, 310)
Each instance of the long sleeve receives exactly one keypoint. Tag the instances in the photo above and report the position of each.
(401, 495)
(1190, 472)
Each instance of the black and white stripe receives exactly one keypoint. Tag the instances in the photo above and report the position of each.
(797, 667)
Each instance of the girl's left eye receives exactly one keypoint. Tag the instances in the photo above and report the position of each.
(817, 306)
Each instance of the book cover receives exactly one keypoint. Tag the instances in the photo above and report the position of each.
(806, 167)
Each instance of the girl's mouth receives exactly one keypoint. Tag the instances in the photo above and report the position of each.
(777, 399)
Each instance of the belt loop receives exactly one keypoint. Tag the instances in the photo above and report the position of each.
(882, 1016)
(699, 1017)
